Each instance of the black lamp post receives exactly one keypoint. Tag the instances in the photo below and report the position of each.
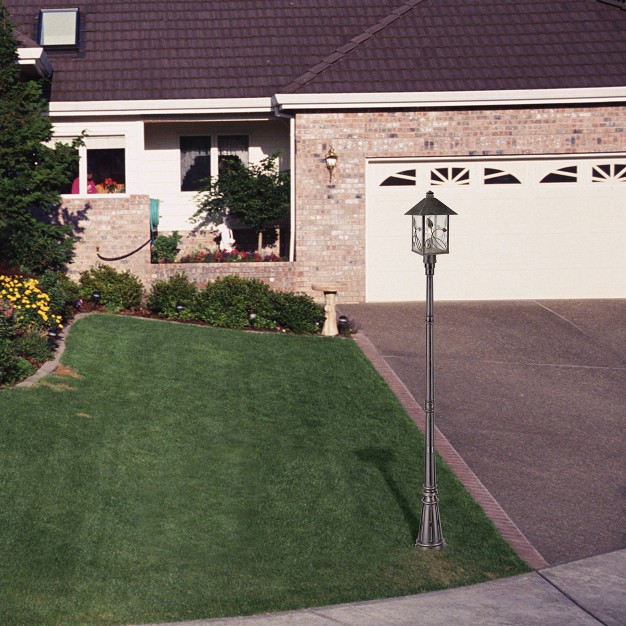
(430, 238)
(95, 297)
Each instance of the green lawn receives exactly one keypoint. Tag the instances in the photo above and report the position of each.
(180, 472)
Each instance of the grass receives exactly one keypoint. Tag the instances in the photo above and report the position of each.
(171, 472)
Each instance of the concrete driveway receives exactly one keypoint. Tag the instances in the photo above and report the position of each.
(532, 394)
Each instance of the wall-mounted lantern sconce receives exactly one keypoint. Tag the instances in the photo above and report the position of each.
(331, 162)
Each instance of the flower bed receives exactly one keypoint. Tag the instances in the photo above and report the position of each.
(229, 256)
(25, 316)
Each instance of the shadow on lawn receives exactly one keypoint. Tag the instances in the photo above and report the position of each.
(381, 459)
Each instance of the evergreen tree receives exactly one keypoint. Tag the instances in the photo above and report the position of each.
(31, 172)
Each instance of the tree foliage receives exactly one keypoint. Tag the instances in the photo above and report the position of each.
(256, 194)
(31, 172)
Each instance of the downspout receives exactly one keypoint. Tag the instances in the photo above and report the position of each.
(292, 191)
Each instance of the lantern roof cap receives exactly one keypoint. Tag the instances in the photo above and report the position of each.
(430, 206)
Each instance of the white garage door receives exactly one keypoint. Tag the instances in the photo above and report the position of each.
(527, 228)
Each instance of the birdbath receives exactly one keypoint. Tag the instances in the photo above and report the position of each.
(330, 295)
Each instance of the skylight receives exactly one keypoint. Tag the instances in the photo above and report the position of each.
(58, 27)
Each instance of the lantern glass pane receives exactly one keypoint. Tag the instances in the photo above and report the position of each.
(430, 234)
(436, 235)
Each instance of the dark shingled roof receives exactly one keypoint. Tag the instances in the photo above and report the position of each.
(168, 49)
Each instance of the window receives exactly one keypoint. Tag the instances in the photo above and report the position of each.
(449, 176)
(102, 167)
(232, 149)
(499, 177)
(58, 27)
(195, 162)
(108, 169)
(609, 173)
(563, 175)
(199, 157)
(401, 179)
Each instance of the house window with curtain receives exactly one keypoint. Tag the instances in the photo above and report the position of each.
(232, 149)
(195, 162)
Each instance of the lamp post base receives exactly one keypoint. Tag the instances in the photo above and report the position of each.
(430, 536)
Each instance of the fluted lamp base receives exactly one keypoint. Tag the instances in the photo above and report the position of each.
(430, 536)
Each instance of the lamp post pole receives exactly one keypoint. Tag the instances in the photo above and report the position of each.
(430, 535)
(430, 237)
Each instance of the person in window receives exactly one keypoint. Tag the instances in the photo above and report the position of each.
(91, 186)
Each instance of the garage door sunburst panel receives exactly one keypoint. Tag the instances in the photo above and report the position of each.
(609, 173)
(449, 176)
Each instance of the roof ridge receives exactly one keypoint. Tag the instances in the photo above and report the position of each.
(355, 42)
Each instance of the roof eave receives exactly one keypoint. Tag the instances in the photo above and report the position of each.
(34, 62)
(442, 99)
(161, 107)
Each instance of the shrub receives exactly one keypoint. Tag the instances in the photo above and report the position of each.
(297, 312)
(166, 294)
(33, 345)
(10, 367)
(63, 293)
(228, 302)
(165, 248)
(7, 326)
(118, 290)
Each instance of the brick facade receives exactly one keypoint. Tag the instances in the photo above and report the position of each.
(330, 218)
(330, 229)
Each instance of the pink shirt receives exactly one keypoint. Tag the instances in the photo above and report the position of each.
(91, 186)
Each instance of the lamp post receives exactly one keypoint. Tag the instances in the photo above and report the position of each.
(430, 238)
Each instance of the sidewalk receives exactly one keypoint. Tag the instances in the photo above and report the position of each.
(583, 593)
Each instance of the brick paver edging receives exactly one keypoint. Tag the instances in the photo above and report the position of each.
(507, 527)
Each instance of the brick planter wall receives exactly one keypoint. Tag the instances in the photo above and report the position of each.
(115, 225)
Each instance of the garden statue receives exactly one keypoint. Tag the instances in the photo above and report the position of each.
(227, 240)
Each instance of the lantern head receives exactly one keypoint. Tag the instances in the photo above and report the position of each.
(430, 226)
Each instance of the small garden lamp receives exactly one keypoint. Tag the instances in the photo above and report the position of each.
(180, 307)
(252, 318)
(54, 335)
(95, 298)
(430, 237)
(331, 162)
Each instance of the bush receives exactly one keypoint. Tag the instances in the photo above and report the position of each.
(297, 312)
(118, 290)
(10, 367)
(166, 294)
(63, 293)
(228, 302)
(7, 326)
(165, 248)
(33, 346)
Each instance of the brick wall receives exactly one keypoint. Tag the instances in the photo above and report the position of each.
(330, 229)
(114, 226)
(330, 218)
